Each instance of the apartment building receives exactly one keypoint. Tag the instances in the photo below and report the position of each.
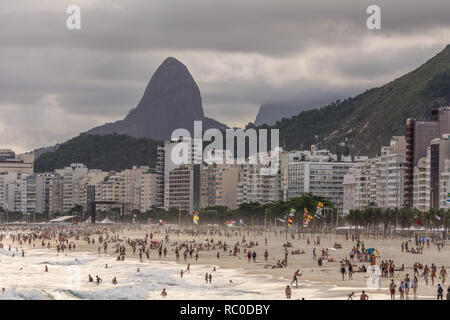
(219, 185)
(421, 190)
(22, 163)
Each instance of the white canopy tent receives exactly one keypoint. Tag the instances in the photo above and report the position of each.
(106, 221)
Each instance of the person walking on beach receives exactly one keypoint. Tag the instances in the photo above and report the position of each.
(114, 280)
(443, 275)
(288, 292)
(210, 277)
(414, 285)
(426, 271)
(440, 292)
(392, 287)
(433, 273)
(206, 277)
(164, 293)
(294, 279)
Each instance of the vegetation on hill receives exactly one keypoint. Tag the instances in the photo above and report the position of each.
(105, 152)
(369, 120)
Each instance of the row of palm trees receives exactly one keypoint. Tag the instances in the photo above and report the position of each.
(399, 217)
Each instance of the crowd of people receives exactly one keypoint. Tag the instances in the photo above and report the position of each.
(221, 243)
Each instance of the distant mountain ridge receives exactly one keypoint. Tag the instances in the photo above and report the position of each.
(270, 113)
(368, 121)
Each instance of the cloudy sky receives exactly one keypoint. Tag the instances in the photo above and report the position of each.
(56, 83)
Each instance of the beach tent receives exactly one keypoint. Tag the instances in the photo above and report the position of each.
(65, 219)
(106, 221)
(89, 220)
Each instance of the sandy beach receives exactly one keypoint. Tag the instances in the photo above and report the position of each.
(256, 279)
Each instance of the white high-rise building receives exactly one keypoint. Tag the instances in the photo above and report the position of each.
(421, 186)
(256, 185)
(319, 172)
(147, 191)
(70, 178)
(392, 174)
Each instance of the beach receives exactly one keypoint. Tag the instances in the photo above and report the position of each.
(235, 276)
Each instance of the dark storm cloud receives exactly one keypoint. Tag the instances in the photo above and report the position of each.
(241, 53)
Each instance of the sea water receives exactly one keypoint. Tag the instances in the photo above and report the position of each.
(67, 278)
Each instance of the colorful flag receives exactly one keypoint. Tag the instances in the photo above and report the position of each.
(196, 217)
(319, 210)
(307, 219)
(231, 223)
(448, 197)
(292, 212)
(290, 221)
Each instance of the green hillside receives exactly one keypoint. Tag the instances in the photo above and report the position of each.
(370, 119)
(106, 152)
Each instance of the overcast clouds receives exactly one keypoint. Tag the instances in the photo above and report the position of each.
(56, 83)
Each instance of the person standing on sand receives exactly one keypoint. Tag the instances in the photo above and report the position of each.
(343, 271)
(392, 287)
(288, 292)
(414, 285)
(210, 277)
(401, 289)
(443, 275)
(364, 296)
(164, 293)
(206, 277)
(350, 271)
(426, 271)
(440, 292)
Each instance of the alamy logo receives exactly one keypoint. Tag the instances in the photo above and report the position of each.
(74, 279)
(374, 20)
(73, 22)
(189, 150)
(374, 277)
